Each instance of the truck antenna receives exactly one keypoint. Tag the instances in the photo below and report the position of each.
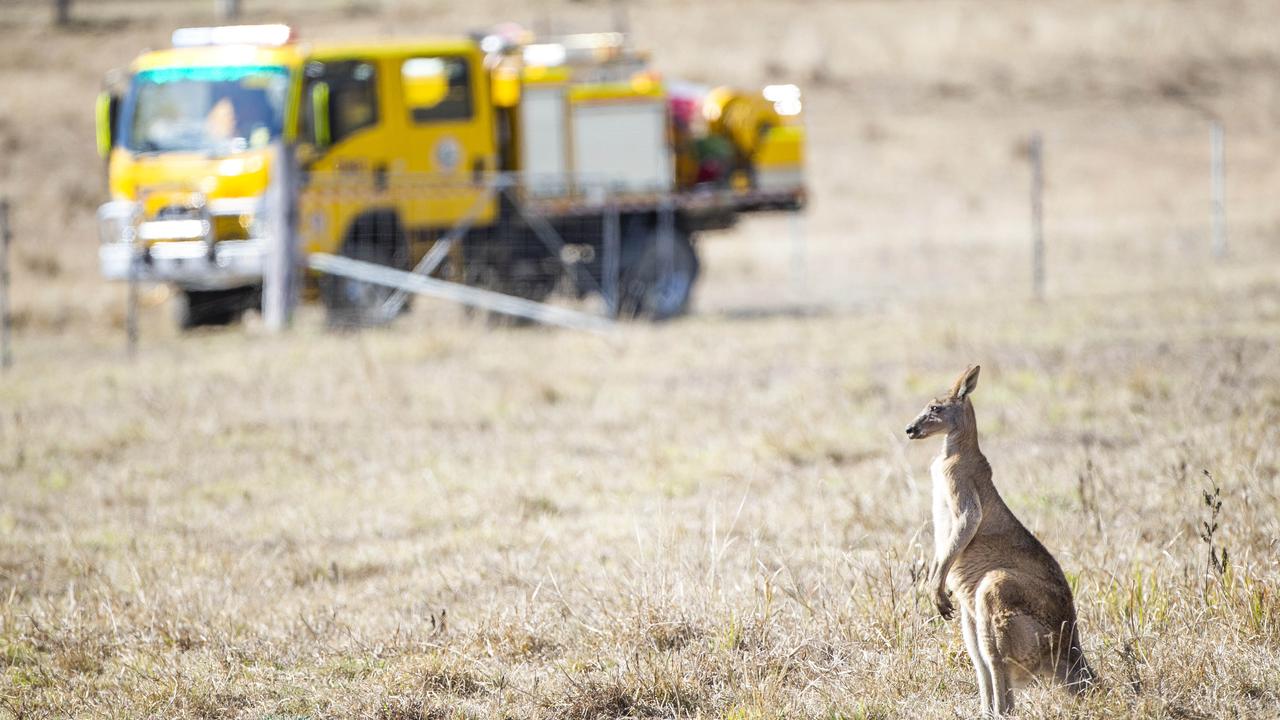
(621, 18)
(542, 26)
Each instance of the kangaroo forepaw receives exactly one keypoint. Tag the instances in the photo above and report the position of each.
(942, 601)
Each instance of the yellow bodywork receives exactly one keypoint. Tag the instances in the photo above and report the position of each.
(739, 116)
(188, 180)
(642, 86)
(781, 147)
(163, 179)
(126, 173)
(430, 174)
(428, 171)
(381, 167)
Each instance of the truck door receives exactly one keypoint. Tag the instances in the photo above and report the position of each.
(355, 123)
(348, 176)
(448, 153)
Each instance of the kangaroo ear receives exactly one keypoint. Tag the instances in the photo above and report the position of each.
(966, 383)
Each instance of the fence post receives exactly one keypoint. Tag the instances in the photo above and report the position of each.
(611, 263)
(1037, 216)
(799, 254)
(1218, 188)
(61, 12)
(278, 258)
(666, 242)
(226, 9)
(6, 320)
(131, 304)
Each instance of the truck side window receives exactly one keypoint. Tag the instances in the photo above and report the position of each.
(437, 88)
(353, 96)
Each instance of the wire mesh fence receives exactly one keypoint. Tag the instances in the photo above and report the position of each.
(616, 254)
(1124, 209)
(623, 255)
(753, 272)
(498, 243)
(586, 246)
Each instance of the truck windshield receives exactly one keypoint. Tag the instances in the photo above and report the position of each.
(219, 110)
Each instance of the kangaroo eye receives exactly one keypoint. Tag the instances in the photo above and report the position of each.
(935, 408)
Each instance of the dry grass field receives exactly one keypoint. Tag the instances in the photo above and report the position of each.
(718, 517)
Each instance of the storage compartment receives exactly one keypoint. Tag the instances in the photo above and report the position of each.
(621, 144)
(544, 150)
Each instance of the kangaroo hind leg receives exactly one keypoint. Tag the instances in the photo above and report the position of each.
(988, 635)
(1005, 640)
(980, 668)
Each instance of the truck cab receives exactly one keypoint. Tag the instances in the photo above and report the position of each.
(378, 116)
(188, 147)
(396, 143)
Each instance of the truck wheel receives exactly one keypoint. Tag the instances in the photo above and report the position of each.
(654, 288)
(529, 279)
(352, 303)
(199, 308)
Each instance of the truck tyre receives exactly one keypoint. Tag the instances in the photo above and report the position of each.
(348, 303)
(200, 308)
(532, 278)
(512, 261)
(528, 278)
(650, 287)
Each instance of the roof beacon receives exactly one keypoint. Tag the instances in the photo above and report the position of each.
(275, 35)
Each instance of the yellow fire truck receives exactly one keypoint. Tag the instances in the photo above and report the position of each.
(513, 149)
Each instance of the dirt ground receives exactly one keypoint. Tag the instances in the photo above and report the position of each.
(715, 517)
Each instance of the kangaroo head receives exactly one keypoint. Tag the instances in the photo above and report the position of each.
(945, 414)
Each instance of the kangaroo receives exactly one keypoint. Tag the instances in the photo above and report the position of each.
(1016, 611)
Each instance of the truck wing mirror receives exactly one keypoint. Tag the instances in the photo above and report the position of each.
(320, 115)
(105, 116)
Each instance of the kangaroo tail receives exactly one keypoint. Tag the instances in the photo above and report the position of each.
(1076, 674)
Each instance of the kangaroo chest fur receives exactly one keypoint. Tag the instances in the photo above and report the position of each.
(941, 505)
(955, 494)
(999, 542)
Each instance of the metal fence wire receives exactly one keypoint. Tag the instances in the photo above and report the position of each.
(621, 254)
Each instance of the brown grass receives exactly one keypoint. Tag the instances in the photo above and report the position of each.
(717, 517)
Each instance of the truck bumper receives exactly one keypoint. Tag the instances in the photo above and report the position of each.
(176, 251)
(193, 264)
